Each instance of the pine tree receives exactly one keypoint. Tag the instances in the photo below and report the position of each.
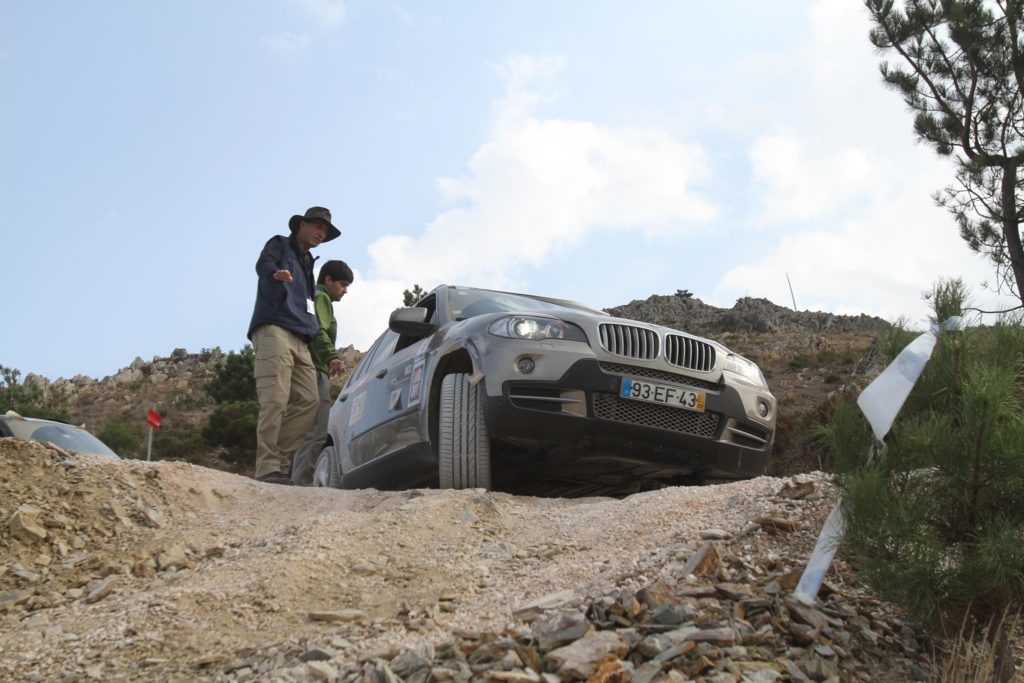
(936, 522)
(233, 380)
(964, 78)
(232, 423)
(411, 296)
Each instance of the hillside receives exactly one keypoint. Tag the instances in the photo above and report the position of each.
(683, 311)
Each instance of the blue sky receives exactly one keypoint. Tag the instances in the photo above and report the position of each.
(592, 150)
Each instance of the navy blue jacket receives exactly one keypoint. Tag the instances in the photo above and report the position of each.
(284, 303)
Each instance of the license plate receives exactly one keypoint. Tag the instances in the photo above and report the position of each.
(664, 394)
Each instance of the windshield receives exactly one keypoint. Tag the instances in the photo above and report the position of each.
(68, 437)
(467, 303)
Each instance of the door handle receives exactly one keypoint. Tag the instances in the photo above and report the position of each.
(342, 398)
(382, 372)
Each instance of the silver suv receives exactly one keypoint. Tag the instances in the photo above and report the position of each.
(474, 387)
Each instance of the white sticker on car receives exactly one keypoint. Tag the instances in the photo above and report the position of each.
(416, 382)
(358, 403)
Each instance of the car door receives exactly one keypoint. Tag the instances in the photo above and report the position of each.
(401, 388)
(369, 400)
(396, 387)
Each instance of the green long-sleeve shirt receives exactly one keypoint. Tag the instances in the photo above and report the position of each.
(322, 347)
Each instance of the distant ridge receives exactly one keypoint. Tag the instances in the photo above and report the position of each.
(682, 311)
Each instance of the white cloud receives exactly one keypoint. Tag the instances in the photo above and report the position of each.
(826, 138)
(363, 313)
(797, 185)
(878, 263)
(329, 14)
(536, 188)
(522, 75)
(287, 43)
(856, 174)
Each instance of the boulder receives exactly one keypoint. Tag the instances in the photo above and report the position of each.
(26, 524)
(581, 659)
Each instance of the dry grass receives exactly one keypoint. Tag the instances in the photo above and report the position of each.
(977, 656)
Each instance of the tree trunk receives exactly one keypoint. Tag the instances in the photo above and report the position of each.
(1011, 228)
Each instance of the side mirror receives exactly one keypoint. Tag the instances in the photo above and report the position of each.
(411, 322)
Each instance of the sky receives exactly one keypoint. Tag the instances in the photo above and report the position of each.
(596, 151)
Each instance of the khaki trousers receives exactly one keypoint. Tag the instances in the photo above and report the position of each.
(306, 456)
(288, 396)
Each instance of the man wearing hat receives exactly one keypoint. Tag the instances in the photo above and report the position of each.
(283, 322)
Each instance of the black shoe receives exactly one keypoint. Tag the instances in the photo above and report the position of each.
(275, 478)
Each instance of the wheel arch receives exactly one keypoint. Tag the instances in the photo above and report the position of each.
(458, 360)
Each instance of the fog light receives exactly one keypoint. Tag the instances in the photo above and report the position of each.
(526, 365)
(762, 409)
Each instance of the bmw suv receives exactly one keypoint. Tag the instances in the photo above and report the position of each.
(472, 387)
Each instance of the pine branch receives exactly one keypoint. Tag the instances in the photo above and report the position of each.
(1012, 11)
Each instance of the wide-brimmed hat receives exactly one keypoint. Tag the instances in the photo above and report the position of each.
(315, 213)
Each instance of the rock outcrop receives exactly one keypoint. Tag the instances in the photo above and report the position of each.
(684, 312)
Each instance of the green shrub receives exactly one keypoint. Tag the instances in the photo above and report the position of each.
(127, 438)
(936, 522)
(800, 360)
(233, 380)
(232, 426)
(179, 443)
(826, 356)
(845, 435)
(893, 338)
(30, 401)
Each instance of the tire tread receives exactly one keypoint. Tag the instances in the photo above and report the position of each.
(464, 454)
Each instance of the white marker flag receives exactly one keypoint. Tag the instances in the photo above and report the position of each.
(882, 399)
(880, 402)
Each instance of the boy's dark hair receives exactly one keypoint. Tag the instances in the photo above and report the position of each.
(338, 270)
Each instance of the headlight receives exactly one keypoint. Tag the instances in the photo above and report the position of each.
(748, 370)
(536, 328)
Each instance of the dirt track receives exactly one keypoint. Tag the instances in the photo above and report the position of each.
(170, 570)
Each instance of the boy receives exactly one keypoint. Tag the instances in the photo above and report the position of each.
(332, 284)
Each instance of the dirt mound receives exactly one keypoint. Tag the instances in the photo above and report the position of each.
(71, 519)
(122, 570)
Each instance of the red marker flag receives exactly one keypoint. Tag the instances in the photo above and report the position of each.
(153, 419)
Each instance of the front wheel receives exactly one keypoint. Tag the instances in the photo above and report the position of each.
(464, 447)
(327, 472)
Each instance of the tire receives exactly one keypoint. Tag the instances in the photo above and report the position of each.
(327, 472)
(464, 447)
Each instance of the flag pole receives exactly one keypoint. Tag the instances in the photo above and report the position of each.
(153, 420)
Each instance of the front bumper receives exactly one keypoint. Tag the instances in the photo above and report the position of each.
(579, 412)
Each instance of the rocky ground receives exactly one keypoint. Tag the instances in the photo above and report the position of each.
(127, 570)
